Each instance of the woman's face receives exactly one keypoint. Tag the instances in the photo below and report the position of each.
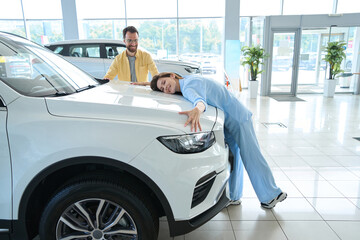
(166, 84)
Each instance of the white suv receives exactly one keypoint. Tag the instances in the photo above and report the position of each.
(95, 56)
(85, 159)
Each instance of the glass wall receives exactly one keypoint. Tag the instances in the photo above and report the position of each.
(100, 19)
(311, 65)
(257, 35)
(45, 31)
(157, 36)
(245, 40)
(11, 17)
(282, 62)
(347, 35)
(313, 69)
(13, 26)
(253, 38)
(172, 29)
(169, 29)
(43, 19)
(201, 34)
(200, 41)
(107, 29)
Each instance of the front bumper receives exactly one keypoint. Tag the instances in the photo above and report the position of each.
(183, 227)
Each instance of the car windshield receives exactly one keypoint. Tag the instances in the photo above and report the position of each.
(34, 71)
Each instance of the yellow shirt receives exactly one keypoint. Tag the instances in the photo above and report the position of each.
(121, 67)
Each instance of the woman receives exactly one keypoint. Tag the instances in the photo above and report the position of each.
(239, 132)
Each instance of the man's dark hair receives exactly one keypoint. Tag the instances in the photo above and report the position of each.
(131, 29)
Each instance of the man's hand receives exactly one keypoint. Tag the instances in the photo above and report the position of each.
(140, 83)
(194, 116)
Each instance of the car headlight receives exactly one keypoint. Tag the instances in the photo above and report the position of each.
(188, 143)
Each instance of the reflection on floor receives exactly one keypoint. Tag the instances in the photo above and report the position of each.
(315, 159)
(309, 88)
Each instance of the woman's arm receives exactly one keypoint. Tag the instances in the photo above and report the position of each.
(194, 116)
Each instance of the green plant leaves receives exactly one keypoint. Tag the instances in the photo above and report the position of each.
(335, 54)
(252, 57)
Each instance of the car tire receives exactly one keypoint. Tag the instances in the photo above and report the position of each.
(97, 209)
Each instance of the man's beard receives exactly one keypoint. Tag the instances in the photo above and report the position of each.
(131, 50)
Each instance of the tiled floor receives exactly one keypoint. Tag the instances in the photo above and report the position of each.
(315, 160)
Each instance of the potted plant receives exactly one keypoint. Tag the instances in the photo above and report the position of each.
(335, 54)
(253, 57)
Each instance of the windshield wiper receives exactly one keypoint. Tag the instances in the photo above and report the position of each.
(85, 88)
(102, 81)
(57, 94)
(61, 93)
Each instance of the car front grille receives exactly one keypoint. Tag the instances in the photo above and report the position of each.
(202, 189)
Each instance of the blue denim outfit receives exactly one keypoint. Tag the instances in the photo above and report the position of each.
(239, 135)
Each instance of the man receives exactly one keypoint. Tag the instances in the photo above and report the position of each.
(132, 65)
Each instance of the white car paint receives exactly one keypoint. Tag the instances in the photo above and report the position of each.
(5, 169)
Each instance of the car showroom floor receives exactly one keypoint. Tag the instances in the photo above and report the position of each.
(314, 157)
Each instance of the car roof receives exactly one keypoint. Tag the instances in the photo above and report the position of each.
(16, 39)
(87, 41)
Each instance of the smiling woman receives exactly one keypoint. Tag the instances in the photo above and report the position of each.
(238, 128)
(166, 82)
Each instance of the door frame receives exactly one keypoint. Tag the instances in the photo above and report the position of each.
(295, 64)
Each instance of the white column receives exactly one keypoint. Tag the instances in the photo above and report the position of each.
(356, 62)
(232, 42)
(70, 22)
(232, 20)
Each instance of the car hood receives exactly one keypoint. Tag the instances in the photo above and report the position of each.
(121, 101)
(180, 63)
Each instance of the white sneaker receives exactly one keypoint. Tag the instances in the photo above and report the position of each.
(281, 197)
(234, 202)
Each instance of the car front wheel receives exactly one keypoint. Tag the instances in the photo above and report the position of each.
(97, 210)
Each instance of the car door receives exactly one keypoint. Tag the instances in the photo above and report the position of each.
(5, 170)
(87, 57)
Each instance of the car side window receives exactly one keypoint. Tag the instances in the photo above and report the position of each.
(2, 104)
(113, 50)
(92, 51)
(75, 51)
(59, 50)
